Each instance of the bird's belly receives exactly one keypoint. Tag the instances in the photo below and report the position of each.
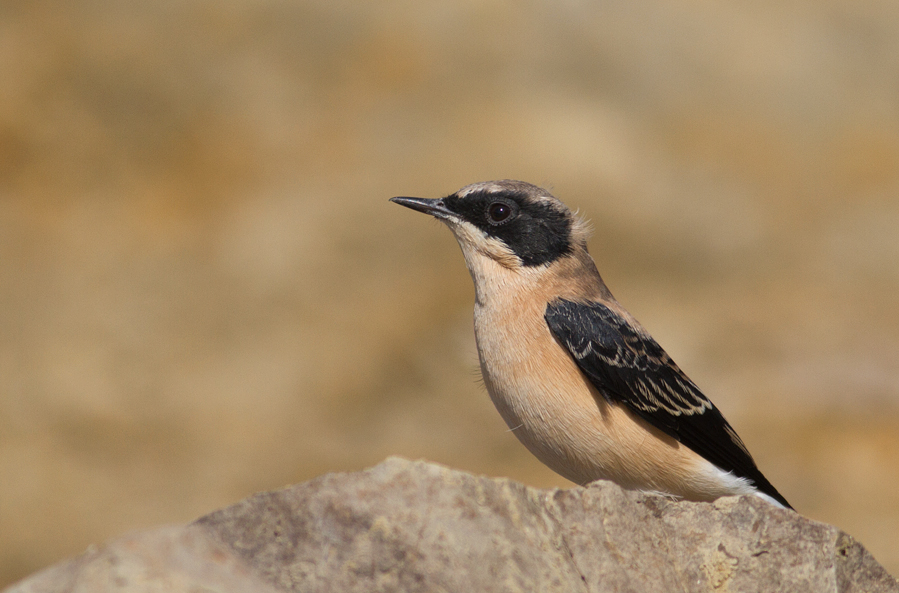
(566, 423)
(565, 426)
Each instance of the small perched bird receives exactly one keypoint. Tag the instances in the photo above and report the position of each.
(578, 380)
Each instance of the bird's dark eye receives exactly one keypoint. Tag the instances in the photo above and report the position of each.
(500, 212)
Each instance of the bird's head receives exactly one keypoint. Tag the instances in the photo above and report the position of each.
(513, 223)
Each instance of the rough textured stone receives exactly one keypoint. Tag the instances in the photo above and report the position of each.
(161, 560)
(414, 526)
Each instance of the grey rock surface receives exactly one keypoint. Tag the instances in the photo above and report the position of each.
(416, 526)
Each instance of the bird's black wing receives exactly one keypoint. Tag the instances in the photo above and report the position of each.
(631, 368)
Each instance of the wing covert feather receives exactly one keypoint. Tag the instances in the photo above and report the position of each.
(629, 367)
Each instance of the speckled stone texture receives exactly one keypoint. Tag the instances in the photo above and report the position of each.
(415, 526)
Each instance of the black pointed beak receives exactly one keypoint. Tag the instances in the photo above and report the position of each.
(428, 206)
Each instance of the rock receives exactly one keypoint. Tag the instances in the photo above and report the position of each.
(415, 526)
(164, 559)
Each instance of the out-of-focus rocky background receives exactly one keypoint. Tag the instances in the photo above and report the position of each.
(204, 292)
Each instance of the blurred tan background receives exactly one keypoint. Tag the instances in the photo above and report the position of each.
(204, 292)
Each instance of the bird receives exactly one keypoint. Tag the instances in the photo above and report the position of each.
(578, 380)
